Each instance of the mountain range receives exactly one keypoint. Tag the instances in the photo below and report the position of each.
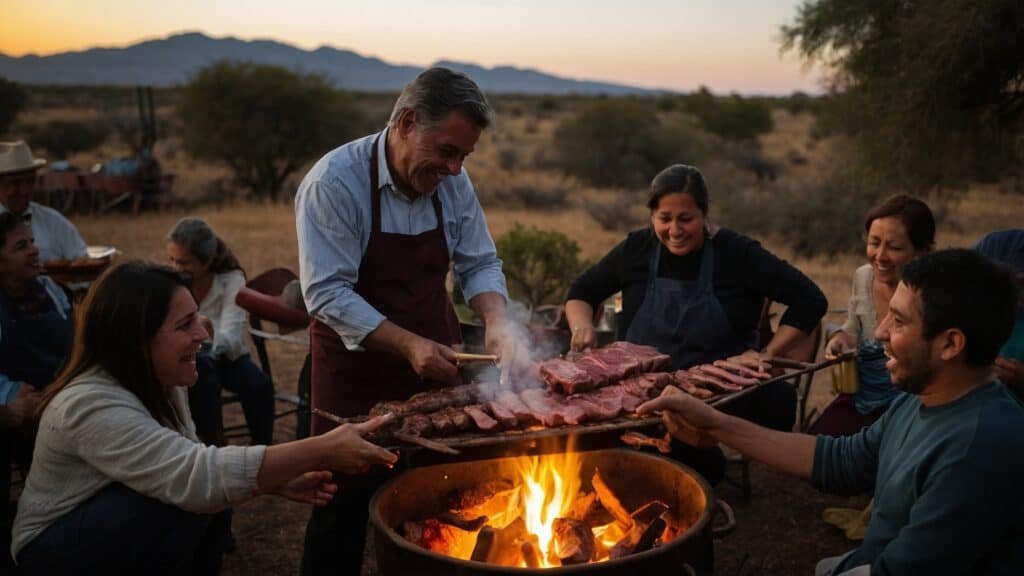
(172, 60)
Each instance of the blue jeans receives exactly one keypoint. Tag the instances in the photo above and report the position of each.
(119, 531)
(242, 377)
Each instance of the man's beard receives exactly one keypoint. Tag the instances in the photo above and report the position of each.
(916, 374)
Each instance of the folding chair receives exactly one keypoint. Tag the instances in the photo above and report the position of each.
(260, 298)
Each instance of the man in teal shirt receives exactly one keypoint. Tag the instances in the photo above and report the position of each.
(944, 461)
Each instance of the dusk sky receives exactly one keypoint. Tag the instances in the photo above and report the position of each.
(724, 44)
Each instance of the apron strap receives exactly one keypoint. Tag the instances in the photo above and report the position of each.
(374, 187)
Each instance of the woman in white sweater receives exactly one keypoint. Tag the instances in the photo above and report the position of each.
(119, 482)
(195, 250)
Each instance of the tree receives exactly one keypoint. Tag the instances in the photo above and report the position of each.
(263, 121)
(12, 99)
(623, 142)
(538, 264)
(732, 117)
(61, 138)
(933, 92)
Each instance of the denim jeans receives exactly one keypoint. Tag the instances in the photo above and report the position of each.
(119, 531)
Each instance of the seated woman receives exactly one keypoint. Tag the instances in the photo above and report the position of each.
(216, 277)
(898, 230)
(120, 483)
(695, 292)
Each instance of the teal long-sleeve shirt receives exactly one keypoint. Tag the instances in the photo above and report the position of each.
(947, 481)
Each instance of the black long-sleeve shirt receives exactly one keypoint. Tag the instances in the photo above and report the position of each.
(744, 275)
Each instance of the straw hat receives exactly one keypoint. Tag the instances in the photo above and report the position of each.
(17, 157)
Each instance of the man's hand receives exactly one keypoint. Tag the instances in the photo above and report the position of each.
(22, 410)
(686, 418)
(1009, 371)
(511, 345)
(431, 360)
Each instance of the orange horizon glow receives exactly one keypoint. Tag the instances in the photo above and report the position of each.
(728, 45)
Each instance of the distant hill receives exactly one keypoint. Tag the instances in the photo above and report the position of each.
(174, 59)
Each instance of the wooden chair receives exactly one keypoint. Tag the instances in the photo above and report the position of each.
(259, 298)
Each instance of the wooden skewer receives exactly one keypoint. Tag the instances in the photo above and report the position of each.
(465, 357)
(400, 436)
(425, 443)
(329, 416)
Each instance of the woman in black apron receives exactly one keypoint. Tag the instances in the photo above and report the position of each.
(695, 292)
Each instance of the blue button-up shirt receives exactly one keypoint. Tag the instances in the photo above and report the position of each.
(333, 217)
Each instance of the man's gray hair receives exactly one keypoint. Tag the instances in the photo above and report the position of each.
(436, 92)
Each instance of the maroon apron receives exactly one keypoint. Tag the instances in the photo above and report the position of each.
(403, 277)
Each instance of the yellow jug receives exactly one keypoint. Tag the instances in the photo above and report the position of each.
(845, 379)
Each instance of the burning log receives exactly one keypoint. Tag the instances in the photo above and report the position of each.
(439, 537)
(477, 495)
(589, 510)
(574, 541)
(462, 522)
(500, 546)
(530, 548)
(647, 527)
(610, 501)
(496, 500)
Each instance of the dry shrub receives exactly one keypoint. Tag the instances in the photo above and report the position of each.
(619, 210)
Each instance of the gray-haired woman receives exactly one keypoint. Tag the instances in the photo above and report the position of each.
(195, 250)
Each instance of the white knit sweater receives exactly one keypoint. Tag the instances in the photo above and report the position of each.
(95, 432)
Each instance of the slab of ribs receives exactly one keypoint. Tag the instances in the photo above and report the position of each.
(597, 385)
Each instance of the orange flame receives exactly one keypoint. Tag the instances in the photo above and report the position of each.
(550, 485)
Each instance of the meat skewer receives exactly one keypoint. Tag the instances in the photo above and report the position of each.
(398, 435)
(637, 439)
(712, 370)
(740, 369)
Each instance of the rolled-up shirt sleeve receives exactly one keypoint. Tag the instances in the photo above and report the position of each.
(327, 223)
(474, 257)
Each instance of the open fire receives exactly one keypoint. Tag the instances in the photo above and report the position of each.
(543, 512)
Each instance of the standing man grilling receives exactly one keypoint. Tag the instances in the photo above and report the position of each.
(380, 220)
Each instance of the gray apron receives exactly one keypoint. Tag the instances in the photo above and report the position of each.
(684, 319)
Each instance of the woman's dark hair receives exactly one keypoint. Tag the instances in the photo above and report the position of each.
(122, 313)
(962, 289)
(196, 236)
(915, 215)
(679, 178)
(8, 222)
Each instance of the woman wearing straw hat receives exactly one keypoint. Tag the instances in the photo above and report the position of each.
(55, 236)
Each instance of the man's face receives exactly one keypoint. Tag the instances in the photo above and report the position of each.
(16, 190)
(19, 256)
(428, 155)
(911, 358)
